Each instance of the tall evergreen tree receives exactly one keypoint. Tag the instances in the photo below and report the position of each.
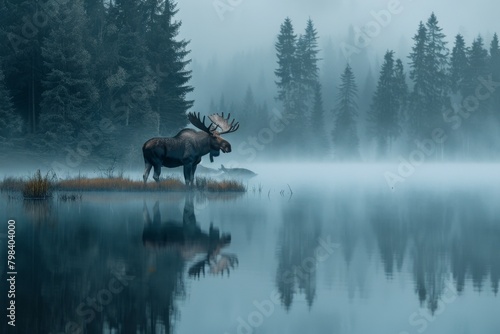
(384, 118)
(495, 58)
(401, 89)
(168, 59)
(21, 55)
(310, 59)
(10, 122)
(420, 76)
(494, 69)
(437, 54)
(474, 140)
(319, 142)
(458, 64)
(291, 86)
(300, 87)
(69, 92)
(285, 52)
(429, 64)
(129, 72)
(345, 137)
(477, 57)
(437, 77)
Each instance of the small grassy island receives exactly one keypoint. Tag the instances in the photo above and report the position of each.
(39, 186)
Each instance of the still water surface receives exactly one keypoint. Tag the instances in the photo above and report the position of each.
(342, 254)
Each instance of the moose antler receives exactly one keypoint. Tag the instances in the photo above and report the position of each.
(223, 123)
(200, 123)
(224, 263)
(198, 268)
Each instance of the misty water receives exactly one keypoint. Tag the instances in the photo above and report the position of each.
(309, 249)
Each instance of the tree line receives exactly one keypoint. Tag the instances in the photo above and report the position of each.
(459, 90)
(69, 65)
(114, 73)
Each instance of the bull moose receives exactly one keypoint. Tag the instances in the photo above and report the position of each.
(188, 146)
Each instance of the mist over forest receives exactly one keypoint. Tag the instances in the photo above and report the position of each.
(87, 82)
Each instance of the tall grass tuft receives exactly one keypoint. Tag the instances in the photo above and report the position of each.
(38, 186)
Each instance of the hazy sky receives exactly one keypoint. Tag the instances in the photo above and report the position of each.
(253, 24)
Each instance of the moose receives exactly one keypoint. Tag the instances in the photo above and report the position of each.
(188, 146)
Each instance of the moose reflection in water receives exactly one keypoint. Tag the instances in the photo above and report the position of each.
(188, 240)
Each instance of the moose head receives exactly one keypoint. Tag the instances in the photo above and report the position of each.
(217, 143)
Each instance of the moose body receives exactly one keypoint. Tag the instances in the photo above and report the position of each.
(187, 147)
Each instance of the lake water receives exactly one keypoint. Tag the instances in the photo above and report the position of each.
(308, 249)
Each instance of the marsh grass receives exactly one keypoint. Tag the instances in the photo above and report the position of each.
(38, 186)
(10, 183)
(211, 185)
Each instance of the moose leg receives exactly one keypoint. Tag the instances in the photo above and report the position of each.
(146, 172)
(193, 170)
(157, 173)
(187, 174)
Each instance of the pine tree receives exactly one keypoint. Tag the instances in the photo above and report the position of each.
(473, 139)
(419, 75)
(290, 84)
(384, 115)
(437, 77)
(458, 64)
(437, 55)
(21, 56)
(10, 122)
(69, 92)
(168, 59)
(429, 63)
(306, 78)
(401, 89)
(319, 142)
(310, 59)
(494, 70)
(300, 85)
(477, 57)
(285, 52)
(129, 80)
(495, 58)
(345, 137)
